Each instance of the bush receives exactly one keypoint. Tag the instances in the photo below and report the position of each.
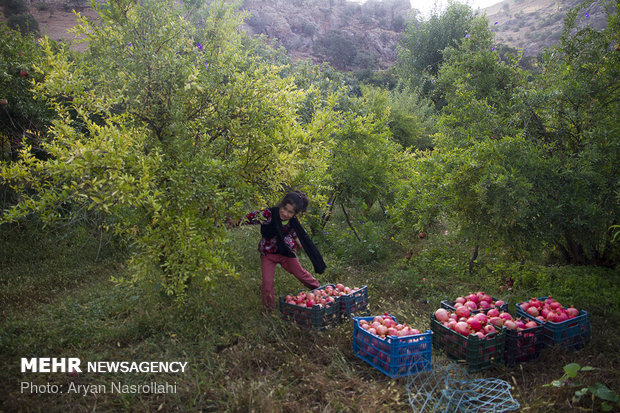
(24, 23)
(41, 6)
(399, 24)
(339, 48)
(22, 118)
(13, 7)
(375, 244)
(365, 60)
(594, 289)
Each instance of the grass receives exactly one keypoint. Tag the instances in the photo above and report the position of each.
(60, 303)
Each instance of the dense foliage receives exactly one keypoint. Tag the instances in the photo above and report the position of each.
(173, 119)
(18, 17)
(526, 160)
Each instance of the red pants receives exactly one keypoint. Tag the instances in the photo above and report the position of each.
(292, 266)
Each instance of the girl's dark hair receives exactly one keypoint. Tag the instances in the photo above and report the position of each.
(298, 199)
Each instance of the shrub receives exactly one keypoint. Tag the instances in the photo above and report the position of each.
(13, 7)
(375, 244)
(365, 60)
(22, 118)
(339, 48)
(24, 23)
(399, 24)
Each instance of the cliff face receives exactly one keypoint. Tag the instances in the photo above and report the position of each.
(532, 25)
(350, 35)
(347, 34)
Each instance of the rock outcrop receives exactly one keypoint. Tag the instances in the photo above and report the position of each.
(349, 35)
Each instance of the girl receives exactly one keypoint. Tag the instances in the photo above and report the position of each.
(282, 233)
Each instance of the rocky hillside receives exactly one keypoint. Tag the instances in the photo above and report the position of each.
(350, 35)
(532, 25)
(344, 33)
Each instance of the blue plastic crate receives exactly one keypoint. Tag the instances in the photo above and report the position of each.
(571, 334)
(449, 305)
(393, 356)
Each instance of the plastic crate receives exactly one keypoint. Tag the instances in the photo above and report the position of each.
(477, 353)
(523, 345)
(317, 317)
(393, 356)
(449, 305)
(354, 303)
(572, 334)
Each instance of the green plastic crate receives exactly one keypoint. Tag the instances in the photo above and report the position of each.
(523, 345)
(355, 303)
(476, 353)
(316, 318)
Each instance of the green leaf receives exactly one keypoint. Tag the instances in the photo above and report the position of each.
(580, 393)
(572, 369)
(603, 392)
(587, 368)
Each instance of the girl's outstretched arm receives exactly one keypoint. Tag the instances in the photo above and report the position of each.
(262, 216)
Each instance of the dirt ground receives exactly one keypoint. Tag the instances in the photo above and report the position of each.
(55, 21)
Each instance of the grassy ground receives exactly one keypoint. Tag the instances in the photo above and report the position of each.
(58, 302)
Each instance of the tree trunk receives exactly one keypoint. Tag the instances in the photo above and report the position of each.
(350, 224)
(473, 259)
(327, 215)
(574, 252)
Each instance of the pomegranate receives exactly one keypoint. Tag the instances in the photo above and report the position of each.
(482, 317)
(493, 312)
(441, 315)
(462, 328)
(474, 324)
(510, 324)
(473, 297)
(533, 311)
(463, 311)
(505, 315)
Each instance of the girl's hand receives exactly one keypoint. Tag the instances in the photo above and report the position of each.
(298, 244)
